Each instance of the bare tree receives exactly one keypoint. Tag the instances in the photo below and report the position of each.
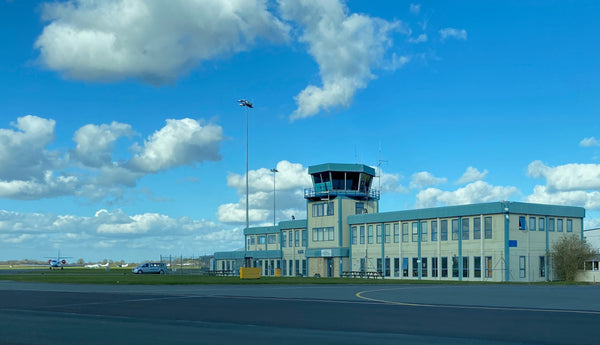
(569, 255)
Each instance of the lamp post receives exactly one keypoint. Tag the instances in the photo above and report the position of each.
(274, 171)
(246, 104)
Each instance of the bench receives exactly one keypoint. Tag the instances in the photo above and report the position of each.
(220, 273)
(362, 274)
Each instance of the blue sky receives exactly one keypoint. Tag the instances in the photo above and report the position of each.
(121, 138)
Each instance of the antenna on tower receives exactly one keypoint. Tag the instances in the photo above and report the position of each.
(379, 162)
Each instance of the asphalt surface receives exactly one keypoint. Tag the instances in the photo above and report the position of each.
(32, 313)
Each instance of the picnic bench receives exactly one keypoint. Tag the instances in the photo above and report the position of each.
(362, 274)
(220, 273)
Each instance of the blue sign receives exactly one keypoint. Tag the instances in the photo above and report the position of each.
(512, 243)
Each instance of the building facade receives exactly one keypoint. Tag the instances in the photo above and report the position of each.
(345, 232)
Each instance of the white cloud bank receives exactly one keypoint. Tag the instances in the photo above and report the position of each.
(569, 184)
(151, 40)
(290, 182)
(471, 175)
(28, 170)
(459, 34)
(589, 142)
(425, 179)
(476, 192)
(113, 40)
(345, 46)
(111, 232)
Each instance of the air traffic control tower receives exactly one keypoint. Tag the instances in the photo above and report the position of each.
(339, 190)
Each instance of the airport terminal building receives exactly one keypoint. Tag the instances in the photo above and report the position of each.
(345, 234)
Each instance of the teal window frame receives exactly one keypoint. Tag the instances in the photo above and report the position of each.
(476, 228)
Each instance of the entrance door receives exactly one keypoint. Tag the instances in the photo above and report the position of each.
(329, 267)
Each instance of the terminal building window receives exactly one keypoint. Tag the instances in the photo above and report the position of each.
(551, 224)
(454, 229)
(359, 208)
(569, 225)
(559, 225)
(323, 209)
(522, 223)
(434, 267)
(405, 267)
(477, 266)
(396, 232)
(522, 267)
(370, 234)
(387, 233)
(465, 267)
(423, 231)
(423, 267)
(465, 228)
(488, 266)
(444, 266)
(542, 266)
(323, 234)
(477, 228)
(434, 231)
(284, 239)
(542, 224)
(455, 266)
(362, 234)
(532, 223)
(444, 230)
(415, 232)
(404, 232)
(415, 267)
(487, 228)
(396, 267)
(378, 234)
(353, 234)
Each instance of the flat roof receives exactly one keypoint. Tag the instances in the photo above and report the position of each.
(470, 210)
(361, 168)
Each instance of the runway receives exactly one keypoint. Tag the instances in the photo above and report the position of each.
(33, 313)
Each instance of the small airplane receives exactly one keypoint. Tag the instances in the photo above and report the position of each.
(58, 262)
(92, 266)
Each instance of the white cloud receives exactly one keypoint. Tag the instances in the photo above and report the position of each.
(459, 34)
(472, 174)
(542, 195)
(568, 177)
(422, 38)
(290, 182)
(476, 192)
(589, 142)
(425, 179)
(23, 154)
(29, 171)
(180, 142)
(116, 231)
(95, 143)
(415, 8)
(390, 183)
(346, 48)
(118, 39)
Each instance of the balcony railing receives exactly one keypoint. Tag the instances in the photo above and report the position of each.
(371, 194)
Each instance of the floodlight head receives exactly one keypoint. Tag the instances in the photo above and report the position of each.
(245, 103)
(274, 170)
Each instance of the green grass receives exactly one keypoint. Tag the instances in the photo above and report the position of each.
(123, 276)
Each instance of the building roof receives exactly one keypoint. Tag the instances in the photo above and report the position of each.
(341, 167)
(470, 210)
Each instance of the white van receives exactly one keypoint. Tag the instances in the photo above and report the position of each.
(151, 267)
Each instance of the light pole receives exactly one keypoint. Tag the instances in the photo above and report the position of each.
(274, 171)
(246, 104)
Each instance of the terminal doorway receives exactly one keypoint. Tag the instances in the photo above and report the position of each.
(329, 267)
